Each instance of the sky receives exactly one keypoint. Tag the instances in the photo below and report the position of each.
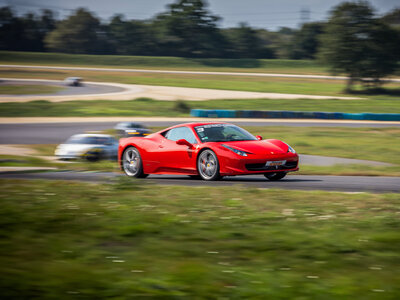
(268, 14)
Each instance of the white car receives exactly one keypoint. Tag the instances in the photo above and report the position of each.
(92, 147)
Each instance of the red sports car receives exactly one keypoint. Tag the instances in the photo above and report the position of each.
(208, 150)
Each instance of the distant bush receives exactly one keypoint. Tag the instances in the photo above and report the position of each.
(181, 106)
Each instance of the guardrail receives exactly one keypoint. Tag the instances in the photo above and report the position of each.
(284, 114)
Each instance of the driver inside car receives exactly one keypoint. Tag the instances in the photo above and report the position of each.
(214, 134)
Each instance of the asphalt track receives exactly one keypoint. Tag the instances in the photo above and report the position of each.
(119, 91)
(352, 184)
(55, 133)
(85, 89)
(184, 72)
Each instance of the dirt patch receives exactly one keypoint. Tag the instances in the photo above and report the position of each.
(17, 150)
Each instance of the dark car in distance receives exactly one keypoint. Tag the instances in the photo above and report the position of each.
(131, 129)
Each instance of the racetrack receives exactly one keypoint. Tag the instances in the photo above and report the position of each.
(56, 130)
(292, 182)
(118, 91)
(86, 89)
(184, 72)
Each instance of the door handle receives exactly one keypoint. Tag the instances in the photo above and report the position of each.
(160, 146)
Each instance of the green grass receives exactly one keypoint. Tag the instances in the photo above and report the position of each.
(28, 89)
(24, 161)
(129, 240)
(149, 62)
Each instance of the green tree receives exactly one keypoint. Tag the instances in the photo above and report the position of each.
(359, 45)
(24, 33)
(79, 33)
(392, 18)
(10, 30)
(189, 29)
(306, 41)
(245, 42)
(131, 37)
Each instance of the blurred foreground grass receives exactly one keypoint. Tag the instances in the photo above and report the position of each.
(128, 239)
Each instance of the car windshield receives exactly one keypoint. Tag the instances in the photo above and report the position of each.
(90, 140)
(222, 133)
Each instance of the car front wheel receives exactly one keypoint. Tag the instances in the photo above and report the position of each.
(132, 163)
(275, 176)
(208, 165)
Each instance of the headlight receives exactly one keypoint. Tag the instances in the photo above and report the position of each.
(238, 152)
(290, 149)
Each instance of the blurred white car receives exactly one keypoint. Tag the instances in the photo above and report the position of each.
(131, 129)
(92, 147)
(73, 81)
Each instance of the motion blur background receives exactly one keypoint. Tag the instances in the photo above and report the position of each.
(79, 68)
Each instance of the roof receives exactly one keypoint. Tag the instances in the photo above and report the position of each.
(194, 124)
(92, 134)
(73, 78)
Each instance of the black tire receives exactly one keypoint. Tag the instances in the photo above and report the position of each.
(275, 176)
(93, 156)
(132, 163)
(208, 165)
(195, 176)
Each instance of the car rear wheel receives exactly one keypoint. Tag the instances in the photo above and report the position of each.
(132, 163)
(208, 165)
(275, 176)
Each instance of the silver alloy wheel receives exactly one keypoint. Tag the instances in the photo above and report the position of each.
(131, 162)
(208, 165)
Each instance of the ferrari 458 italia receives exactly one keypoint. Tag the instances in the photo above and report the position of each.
(206, 150)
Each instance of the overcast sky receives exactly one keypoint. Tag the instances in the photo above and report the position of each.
(269, 14)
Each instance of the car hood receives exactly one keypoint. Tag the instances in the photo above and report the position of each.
(259, 147)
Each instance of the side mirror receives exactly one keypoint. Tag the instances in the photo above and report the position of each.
(184, 142)
(259, 137)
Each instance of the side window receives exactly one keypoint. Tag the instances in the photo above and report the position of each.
(181, 133)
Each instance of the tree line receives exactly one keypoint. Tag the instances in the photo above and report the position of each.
(353, 40)
(187, 29)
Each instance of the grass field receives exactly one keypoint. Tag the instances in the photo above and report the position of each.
(149, 107)
(386, 102)
(170, 63)
(241, 83)
(129, 240)
(28, 89)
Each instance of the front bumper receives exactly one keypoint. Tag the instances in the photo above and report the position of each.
(257, 165)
